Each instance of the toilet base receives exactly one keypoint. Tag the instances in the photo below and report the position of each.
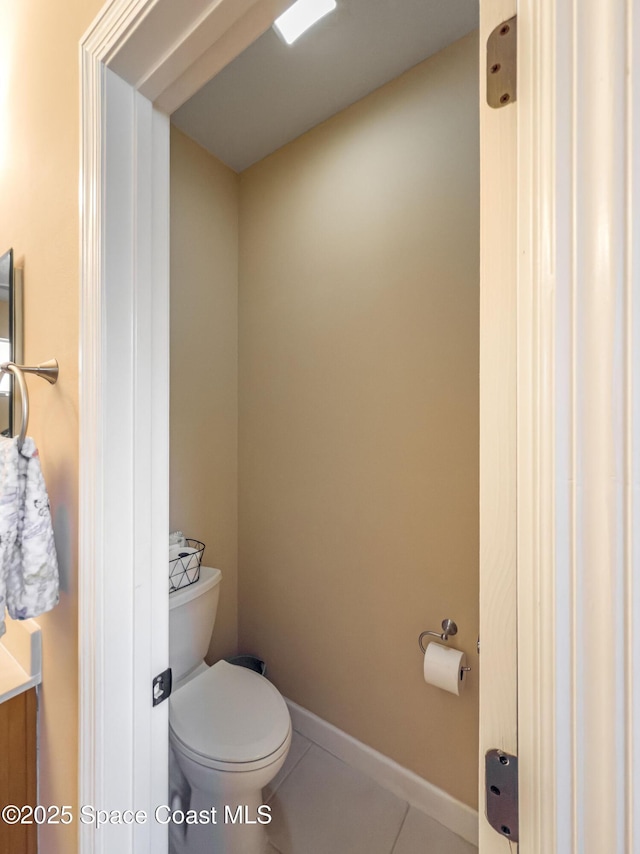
(233, 833)
(241, 815)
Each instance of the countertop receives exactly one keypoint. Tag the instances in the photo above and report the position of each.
(20, 658)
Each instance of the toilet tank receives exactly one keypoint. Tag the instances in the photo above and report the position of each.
(192, 613)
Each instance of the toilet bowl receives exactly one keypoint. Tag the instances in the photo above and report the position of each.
(229, 733)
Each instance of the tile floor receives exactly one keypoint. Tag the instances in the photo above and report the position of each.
(322, 806)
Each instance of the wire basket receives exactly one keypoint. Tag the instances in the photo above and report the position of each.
(185, 569)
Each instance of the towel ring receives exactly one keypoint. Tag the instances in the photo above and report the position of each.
(47, 370)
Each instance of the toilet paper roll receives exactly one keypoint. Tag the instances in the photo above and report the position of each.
(185, 553)
(442, 668)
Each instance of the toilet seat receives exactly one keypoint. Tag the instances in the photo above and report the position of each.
(229, 718)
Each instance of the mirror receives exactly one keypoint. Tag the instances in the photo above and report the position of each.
(11, 338)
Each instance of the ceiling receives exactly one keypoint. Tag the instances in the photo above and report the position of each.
(273, 93)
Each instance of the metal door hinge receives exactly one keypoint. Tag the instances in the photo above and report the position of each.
(161, 686)
(501, 788)
(502, 64)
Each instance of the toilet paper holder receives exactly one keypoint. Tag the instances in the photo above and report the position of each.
(449, 629)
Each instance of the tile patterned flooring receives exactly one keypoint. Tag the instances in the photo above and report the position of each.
(320, 805)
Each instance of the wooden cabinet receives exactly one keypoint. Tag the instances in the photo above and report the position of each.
(18, 769)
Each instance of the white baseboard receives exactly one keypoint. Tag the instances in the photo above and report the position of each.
(453, 814)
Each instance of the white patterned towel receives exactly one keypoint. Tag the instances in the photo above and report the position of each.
(28, 562)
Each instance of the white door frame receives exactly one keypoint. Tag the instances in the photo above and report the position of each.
(578, 421)
(578, 342)
(498, 664)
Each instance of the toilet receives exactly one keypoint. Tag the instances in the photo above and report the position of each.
(229, 735)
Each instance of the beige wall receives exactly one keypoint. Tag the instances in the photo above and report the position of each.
(359, 278)
(39, 167)
(204, 366)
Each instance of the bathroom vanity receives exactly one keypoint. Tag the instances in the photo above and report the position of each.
(20, 672)
(18, 769)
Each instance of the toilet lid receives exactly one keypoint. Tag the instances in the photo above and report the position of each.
(229, 714)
